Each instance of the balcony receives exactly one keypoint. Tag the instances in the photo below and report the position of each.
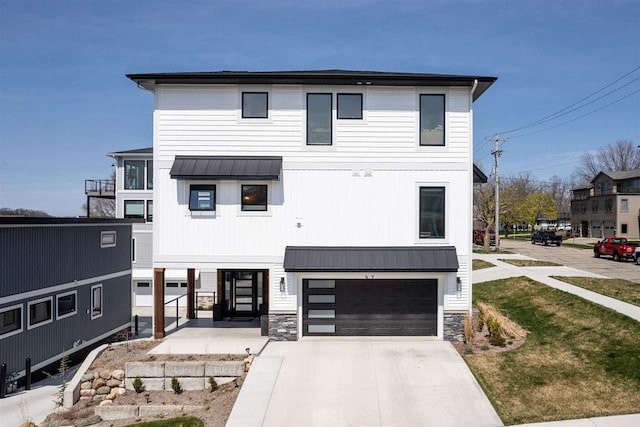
(105, 188)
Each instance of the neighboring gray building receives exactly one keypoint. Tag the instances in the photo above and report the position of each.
(64, 286)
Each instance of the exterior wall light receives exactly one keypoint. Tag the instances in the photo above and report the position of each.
(458, 284)
(282, 284)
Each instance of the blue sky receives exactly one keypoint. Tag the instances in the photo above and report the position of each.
(64, 99)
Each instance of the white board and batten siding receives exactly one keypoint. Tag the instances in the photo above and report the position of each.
(361, 191)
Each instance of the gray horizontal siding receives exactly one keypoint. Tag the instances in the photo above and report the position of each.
(38, 257)
(144, 250)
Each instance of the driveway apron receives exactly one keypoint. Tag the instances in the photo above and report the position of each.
(369, 382)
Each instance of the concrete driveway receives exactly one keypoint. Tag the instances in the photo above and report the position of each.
(361, 382)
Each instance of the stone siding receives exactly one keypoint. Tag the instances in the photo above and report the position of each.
(454, 326)
(283, 327)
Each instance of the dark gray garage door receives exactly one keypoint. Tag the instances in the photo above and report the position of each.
(370, 307)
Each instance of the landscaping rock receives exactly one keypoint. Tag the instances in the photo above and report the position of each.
(118, 390)
(87, 392)
(103, 390)
(88, 377)
(117, 412)
(118, 374)
(83, 422)
(114, 383)
(144, 369)
(85, 385)
(224, 369)
(184, 369)
(86, 397)
(99, 382)
(106, 402)
(105, 374)
(99, 397)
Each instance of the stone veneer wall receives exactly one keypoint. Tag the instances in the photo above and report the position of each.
(283, 327)
(454, 326)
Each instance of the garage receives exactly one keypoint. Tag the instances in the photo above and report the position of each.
(366, 307)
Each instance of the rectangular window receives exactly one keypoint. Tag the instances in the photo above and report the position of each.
(319, 116)
(134, 174)
(431, 120)
(322, 284)
(39, 312)
(623, 228)
(149, 210)
(149, 174)
(254, 197)
(107, 239)
(66, 304)
(255, 105)
(10, 321)
(172, 284)
(624, 205)
(350, 106)
(202, 198)
(133, 249)
(134, 208)
(431, 212)
(144, 285)
(322, 299)
(96, 301)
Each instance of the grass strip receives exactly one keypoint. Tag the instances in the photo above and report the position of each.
(479, 264)
(579, 360)
(529, 263)
(619, 289)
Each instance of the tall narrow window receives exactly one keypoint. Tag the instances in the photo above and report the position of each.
(624, 205)
(624, 228)
(431, 212)
(134, 174)
(133, 249)
(349, 106)
(134, 208)
(319, 118)
(149, 210)
(202, 198)
(149, 174)
(255, 105)
(254, 197)
(431, 120)
(96, 301)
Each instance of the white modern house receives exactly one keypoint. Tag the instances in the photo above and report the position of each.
(335, 202)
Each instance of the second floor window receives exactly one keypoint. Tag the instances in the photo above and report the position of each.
(149, 210)
(255, 105)
(202, 198)
(134, 174)
(431, 120)
(624, 205)
(349, 106)
(254, 197)
(149, 174)
(431, 219)
(134, 208)
(319, 116)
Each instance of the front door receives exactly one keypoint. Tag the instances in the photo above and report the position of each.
(243, 292)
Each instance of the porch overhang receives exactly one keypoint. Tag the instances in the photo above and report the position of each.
(370, 259)
(227, 167)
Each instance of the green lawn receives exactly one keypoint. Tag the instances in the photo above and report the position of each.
(576, 245)
(173, 422)
(479, 264)
(529, 263)
(620, 289)
(579, 359)
(491, 251)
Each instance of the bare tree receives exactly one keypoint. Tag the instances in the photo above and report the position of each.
(484, 208)
(102, 207)
(620, 156)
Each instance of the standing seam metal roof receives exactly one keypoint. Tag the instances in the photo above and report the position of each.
(226, 167)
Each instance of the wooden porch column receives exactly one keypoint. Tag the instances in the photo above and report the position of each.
(158, 303)
(191, 293)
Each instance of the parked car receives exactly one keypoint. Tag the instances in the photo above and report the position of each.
(546, 238)
(478, 238)
(617, 247)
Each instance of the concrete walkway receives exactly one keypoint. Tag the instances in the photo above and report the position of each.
(503, 270)
(632, 420)
(361, 382)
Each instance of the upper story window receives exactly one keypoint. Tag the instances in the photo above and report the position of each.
(629, 186)
(604, 188)
(254, 197)
(134, 208)
(40, 312)
(149, 210)
(10, 320)
(431, 120)
(431, 222)
(202, 198)
(319, 117)
(66, 304)
(624, 205)
(595, 206)
(255, 105)
(349, 106)
(608, 205)
(107, 239)
(134, 174)
(149, 174)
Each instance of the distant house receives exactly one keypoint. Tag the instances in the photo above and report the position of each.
(64, 286)
(608, 206)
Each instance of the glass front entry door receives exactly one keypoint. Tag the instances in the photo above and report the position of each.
(243, 292)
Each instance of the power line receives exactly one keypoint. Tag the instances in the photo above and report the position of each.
(551, 116)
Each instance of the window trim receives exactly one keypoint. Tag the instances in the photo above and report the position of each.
(254, 93)
(339, 94)
(75, 309)
(330, 144)
(210, 187)
(91, 306)
(133, 250)
(444, 119)
(124, 209)
(144, 175)
(44, 322)
(17, 331)
(106, 233)
(431, 240)
(624, 210)
(146, 216)
(266, 205)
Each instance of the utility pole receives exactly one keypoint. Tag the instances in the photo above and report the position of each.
(496, 153)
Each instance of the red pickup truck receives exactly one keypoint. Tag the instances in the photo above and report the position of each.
(617, 247)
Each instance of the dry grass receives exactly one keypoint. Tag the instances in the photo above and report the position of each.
(530, 263)
(479, 264)
(579, 360)
(619, 289)
(508, 327)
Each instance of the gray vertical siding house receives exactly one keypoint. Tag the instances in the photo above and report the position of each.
(65, 285)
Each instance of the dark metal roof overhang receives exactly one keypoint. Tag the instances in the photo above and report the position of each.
(314, 77)
(479, 177)
(226, 167)
(370, 259)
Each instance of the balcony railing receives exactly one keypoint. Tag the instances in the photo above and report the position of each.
(100, 187)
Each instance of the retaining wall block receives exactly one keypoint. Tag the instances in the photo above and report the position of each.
(184, 369)
(158, 410)
(147, 383)
(117, 412)
(224, 369)
(187, 383)
(144, 369)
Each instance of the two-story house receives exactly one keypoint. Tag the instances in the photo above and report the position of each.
(336, 202)
(608, 206)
